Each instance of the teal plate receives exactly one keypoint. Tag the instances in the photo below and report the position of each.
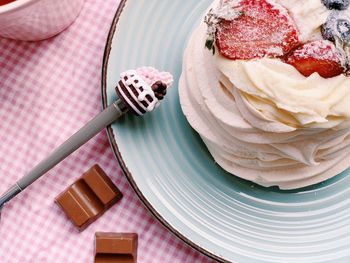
(169, 167)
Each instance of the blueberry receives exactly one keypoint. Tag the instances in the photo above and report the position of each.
(327, 31)
(329, 28)
(343, 29)
(336, 4)
(337, 25)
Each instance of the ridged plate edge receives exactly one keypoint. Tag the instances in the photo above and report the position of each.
(117, 153)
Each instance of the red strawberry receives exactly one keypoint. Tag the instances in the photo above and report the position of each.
(319, 56)
(261, 30)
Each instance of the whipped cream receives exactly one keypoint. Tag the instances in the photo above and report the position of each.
(309, 15)
(276, 91)
(261, 119)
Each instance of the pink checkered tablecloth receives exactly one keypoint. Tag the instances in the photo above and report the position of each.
(48, 90)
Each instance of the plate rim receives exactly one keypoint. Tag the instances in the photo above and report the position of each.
(117, 154)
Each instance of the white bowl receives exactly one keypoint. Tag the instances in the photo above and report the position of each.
(33, 20)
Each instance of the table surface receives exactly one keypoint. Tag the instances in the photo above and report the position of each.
(48, 90)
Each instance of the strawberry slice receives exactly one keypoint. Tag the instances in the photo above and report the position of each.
(319, 56)
(262, 29)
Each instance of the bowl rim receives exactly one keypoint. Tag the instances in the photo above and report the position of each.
(16, 5)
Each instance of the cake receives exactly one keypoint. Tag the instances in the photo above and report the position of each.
(265, 84)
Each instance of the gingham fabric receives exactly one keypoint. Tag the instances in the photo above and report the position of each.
(48, 90)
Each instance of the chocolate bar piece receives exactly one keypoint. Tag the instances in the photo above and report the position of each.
(115, 248)
(89, 197)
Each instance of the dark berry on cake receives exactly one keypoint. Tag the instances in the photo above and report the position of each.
(336, 4)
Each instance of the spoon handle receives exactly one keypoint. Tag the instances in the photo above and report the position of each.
(102, 120)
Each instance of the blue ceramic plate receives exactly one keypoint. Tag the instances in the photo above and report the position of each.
(166, 162)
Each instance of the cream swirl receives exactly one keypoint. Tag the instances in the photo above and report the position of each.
(277, 92)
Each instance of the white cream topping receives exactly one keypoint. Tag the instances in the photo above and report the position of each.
(261, 119)
(278, 92)
(309, 16)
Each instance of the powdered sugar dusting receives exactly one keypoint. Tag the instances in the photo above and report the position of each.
(228, 10)
(263, 29)
(281, 9)
(275, 50)
(321, 57)
(322, 50)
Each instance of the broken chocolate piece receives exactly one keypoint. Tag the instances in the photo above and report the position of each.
(115, 247)
(89, 197)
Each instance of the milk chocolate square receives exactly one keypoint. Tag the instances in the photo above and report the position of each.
(89, 197)
(115, 247)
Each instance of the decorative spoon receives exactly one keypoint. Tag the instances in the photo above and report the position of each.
(139, 91)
